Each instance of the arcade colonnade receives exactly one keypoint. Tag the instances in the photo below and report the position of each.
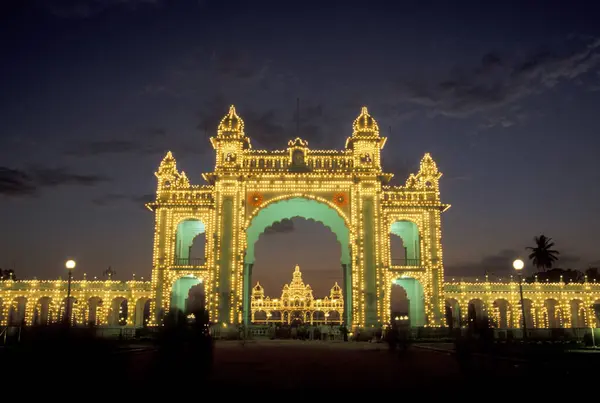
(98, 302)
(547, 305)
(127, 303)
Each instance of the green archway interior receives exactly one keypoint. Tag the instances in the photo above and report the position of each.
(186, 232)
(308, 209)
(409, 232)
(298, 207)
(416, 300)
(181, 291)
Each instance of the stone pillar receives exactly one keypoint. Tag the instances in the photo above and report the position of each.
(347, 293)
(160, 263)
(29, 311)
(247, 312)
(369, 262)
(590, 315)
(225, 260)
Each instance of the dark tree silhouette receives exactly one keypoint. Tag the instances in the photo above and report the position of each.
(542, 255)
(7, 274)
(557, 275)
(593, 274)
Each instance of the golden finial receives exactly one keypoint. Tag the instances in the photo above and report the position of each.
(182, 180)
(365, 124)
(168, 166)
(231, 123)
(428, 166)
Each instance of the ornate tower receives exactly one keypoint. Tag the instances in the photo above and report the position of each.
(231, 146)
(365, 143)
(168, 176)
(230, 142)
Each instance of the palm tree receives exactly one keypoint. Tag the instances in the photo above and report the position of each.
(542, 256)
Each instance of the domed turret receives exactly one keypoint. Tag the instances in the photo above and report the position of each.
(231, 124)
(365, 124)
(365, 143)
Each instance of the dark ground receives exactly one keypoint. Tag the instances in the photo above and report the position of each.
(287, 365)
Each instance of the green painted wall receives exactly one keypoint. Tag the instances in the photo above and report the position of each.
(181, 291)
(247, 293)
(298, 207)
(409, 232)
(347, 290)
(186, 232)
(370, 270)
(416, 298)
(226, 259)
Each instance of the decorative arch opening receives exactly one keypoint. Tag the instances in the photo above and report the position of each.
(578, 316)
(95, 311)
(452, 313)
(42, 314)
(407, 299)
(310, 209)
(16, 314)
(553, 317)
(476, 314)
(190, 243)
(68, 311)
(405, 244)
(596, 313)
(501, 314)
(530, 315)
(142, 312)
(187, 294)
(260, 317)
(119, 312)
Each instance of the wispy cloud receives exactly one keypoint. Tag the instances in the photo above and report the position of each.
(283, 226)
(144, 142)
(24, 183)
(117, 198)
(499, 82)
(76, 9)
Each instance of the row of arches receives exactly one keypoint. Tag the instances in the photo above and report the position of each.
(78, 311)
(501, 313)
(190, 241)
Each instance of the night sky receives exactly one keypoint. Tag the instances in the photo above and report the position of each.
(505, 95)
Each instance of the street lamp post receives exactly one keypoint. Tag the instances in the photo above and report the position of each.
(518, 266)
(70, 265)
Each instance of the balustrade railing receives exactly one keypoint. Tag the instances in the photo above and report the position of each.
(189, 261)
(406, 262)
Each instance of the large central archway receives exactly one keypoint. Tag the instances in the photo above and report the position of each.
(308, 208)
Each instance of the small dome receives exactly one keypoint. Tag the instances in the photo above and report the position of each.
(231, 123)
(364, 123)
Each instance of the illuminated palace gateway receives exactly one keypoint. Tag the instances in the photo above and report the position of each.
(297, 304)
(347, 191)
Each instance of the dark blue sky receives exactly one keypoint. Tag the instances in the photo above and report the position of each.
(503, 94)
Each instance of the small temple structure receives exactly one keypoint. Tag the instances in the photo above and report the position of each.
(297, 304)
